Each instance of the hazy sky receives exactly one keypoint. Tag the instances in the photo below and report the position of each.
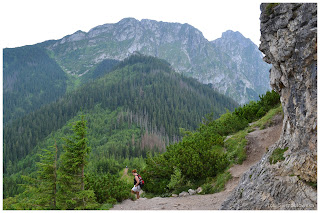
(25, 22)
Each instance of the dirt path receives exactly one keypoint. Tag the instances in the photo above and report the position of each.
(258, 142)
(125, 172)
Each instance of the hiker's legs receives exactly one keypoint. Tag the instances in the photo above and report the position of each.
(138, 196)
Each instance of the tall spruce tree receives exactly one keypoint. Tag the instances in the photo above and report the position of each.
(47, 175)
(40, 191)
(72, 194)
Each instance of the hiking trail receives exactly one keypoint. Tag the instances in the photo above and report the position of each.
(258, 142)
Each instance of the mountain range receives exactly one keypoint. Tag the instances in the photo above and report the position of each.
(232, 64)
(38, 74)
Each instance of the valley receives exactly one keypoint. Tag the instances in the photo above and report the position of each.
(235, 121)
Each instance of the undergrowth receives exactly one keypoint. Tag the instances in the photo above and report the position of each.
(267, 120)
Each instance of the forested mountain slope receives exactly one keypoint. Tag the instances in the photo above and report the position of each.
(141, 90)
(30, 78)
(182, 45)
(33, 74)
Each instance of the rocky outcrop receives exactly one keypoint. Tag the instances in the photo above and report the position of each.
(248, 60)
(289, 42)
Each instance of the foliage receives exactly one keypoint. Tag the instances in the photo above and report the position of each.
(220, 180)
(100, 70)
(255, 110)
(313, 184)
(108, 187)
(177, 180)
(156, 98)
(203, 154)
(197, 156)
(277, 155)
(47, 175)
(227, 123)
(31, 79)
(267, 119)
(72, 194)
(236, 147)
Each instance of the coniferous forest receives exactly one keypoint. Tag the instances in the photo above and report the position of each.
(130, 112)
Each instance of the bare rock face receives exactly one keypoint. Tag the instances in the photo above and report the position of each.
(289, 42)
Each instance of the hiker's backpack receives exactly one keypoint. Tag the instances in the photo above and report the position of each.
(141, 181)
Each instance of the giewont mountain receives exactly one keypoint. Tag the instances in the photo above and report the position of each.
(232, 64)
(39, 74)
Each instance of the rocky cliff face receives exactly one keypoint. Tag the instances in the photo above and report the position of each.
(248, 60)
(236, 74)
(289, 42)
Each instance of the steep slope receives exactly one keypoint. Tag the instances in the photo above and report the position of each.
(30, 78)
(286, 176)
(232, 64)
(252, 73)
(182, 45)
(258, 142)
(161, 100)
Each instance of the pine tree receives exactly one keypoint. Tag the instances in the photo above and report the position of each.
(40, 192)
(72, 194)
(47, 175)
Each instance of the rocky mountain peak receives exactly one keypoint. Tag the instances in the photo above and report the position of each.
(220, 63)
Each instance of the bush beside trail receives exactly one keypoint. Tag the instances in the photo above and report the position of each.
(202, 155)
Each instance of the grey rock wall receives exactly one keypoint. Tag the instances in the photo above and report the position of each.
(289, 42)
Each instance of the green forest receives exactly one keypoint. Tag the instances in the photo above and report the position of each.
(32, 78)
(67, 174)
(133, 110)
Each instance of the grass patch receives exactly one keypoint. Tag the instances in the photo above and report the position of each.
(236, 147)
(106, 206)
(266, 120)
(218, 183)
(277, 155)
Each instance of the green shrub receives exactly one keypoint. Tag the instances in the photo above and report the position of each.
(177, 179)
(207, 188)
(220, 181)
(255, 110)
(236, 147)
(261, 112)
(204, 153)
(108, 188)
(106, 206)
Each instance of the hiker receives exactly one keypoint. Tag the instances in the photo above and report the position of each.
(136, 188)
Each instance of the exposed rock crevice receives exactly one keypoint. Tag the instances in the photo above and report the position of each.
(289, 42)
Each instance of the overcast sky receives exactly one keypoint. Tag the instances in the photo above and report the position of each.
(25, 22)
